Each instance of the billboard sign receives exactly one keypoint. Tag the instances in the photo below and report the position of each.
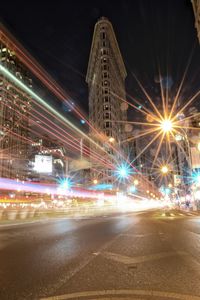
(43, 164)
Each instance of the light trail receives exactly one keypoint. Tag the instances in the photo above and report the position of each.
(71, 143)
(44, 77)
(46, 189)
(10, 76)
(99, 157)
(51, 84)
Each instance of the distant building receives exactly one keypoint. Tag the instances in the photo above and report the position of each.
(106, 82)
(196, 8)
(181, 155)
(14, 114)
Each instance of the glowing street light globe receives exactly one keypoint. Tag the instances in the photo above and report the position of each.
(123, 172)
(166, 125)
(164, 169)
(65, 184)
(111, 139)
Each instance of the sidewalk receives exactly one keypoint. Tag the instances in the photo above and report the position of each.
(16, 218)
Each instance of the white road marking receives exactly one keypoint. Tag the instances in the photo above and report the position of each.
(126, 293)
(135, 235)
(140, 259)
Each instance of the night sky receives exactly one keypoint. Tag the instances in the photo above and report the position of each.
(150, 33)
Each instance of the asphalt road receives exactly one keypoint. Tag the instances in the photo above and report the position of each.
(150, 255)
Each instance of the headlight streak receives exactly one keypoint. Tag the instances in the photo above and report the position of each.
(43, 103)
(45, 78)
(47, 106)
(40, 100)
(70, 141)
(42, 75)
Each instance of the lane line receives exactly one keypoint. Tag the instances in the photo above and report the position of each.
(111, 293)
(140, 259)
(135, 235)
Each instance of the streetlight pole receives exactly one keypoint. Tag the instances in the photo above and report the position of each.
(81, 148)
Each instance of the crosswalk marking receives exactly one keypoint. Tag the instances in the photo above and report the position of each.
(177, 214)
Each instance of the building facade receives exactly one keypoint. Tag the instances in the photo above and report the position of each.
(14, 115)
(196, 8)
(106, 82)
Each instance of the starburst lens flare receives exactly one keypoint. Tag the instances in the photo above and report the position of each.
(65, 184)
(166, 125)
(123, 171)
(196, 178)
(164, 169)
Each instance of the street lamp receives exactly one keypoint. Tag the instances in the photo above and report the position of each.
(65, 184)
(166, 125)
(95, 181)
(123, 172)
(136, 182)
(111, 139)
(165, 169)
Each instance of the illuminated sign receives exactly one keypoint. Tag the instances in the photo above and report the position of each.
(43, 163)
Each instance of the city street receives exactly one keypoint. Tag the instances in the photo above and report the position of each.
(146, 255)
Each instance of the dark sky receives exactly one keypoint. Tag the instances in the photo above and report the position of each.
(150, 33)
